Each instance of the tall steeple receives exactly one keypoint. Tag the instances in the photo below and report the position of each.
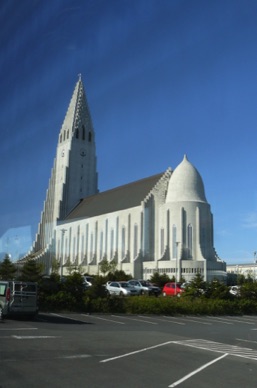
(74, 174)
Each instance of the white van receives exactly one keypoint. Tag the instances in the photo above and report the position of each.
(18, 298)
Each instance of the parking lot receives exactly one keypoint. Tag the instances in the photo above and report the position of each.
(79, 350)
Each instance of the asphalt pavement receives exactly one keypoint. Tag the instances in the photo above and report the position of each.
(128, 351)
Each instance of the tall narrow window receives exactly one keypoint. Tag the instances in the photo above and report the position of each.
(189, 239)
(77, 133)
(123, 241)
(78, 242)
(89, 136)
(91, 246)
(174, 241)
(73, 256)
(83, 132)
(135, 240)
(112, 244)
(106, 236)
(101, 245)
(162, 241)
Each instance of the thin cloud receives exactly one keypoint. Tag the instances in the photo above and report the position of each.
(250, 221)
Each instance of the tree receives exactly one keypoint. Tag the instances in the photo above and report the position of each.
(196, 288)
(55, 265)
(7, 269)
(31, 271)
(217, 290)
(159, 279)
(107, 266)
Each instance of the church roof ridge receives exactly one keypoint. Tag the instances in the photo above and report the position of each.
(118, 198)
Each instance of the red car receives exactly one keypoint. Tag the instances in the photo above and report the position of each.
(172, 289)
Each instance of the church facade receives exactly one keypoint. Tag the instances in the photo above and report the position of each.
(161, 223)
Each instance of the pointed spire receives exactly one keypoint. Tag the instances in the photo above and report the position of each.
(78, 111)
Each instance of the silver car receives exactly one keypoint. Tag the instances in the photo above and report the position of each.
(121, 289)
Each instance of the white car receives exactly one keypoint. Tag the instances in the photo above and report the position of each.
(120, 289)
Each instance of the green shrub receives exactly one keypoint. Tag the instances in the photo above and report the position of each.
(60, 301)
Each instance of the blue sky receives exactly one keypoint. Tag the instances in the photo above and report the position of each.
(163, 78)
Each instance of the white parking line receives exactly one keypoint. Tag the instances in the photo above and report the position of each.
(104, 319)
(34, 336)
(136, 352)
(137, 320)
(235, 320)
(220, 320)
(75, 356)
(197, 371)
(200, 321)
(64, 316)
(170, 320)
(244, 340)
(219, 347)
(18, 328)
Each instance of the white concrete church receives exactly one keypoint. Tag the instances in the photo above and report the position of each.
(162, 223)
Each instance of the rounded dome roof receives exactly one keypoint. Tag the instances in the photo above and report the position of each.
(185, 184)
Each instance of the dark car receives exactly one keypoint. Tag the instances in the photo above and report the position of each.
(145, 287)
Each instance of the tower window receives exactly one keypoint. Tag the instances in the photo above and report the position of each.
(83, 132)
(77, 133)
(89, 136)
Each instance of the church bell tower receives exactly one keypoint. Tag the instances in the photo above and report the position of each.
(74, 174)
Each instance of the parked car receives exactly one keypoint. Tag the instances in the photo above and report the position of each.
(18, 298)
(172, 289)
(145, 287)
(121, 289)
